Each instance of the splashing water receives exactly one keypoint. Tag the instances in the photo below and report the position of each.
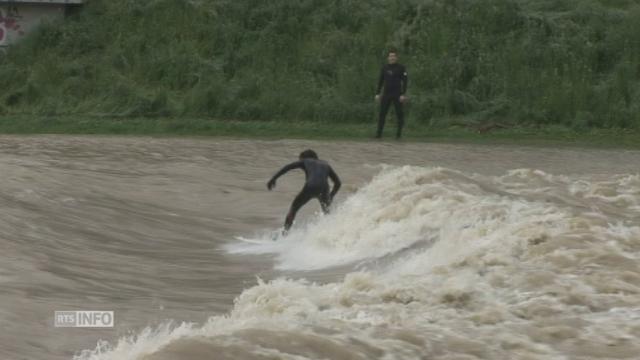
(527, 265)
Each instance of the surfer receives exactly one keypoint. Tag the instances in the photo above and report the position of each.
(316, 184)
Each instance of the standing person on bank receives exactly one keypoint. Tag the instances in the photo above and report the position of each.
(393, 77)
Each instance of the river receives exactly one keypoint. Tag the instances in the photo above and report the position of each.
(433, 251)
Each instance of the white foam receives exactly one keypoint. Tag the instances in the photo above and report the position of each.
(527, 265)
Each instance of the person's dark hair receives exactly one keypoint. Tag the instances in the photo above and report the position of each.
(308, 154)
(392, 51)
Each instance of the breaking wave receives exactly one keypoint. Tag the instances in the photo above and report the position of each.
(441, 265)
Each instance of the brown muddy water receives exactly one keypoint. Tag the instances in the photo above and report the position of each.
(431, 251)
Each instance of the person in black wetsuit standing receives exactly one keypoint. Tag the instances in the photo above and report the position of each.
(316, 185)
(393, 77)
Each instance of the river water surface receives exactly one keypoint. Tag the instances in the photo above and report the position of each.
(431, 251)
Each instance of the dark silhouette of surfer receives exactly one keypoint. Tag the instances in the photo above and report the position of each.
(317, 173)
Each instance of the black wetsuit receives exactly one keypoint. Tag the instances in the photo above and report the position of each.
(316, 185)
(394, 78)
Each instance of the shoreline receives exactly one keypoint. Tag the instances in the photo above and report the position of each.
(550, 136)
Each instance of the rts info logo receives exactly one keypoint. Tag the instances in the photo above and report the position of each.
(84, 319)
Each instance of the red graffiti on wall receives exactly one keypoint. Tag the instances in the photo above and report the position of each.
(9, 23)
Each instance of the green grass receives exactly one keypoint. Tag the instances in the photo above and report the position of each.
(541, 136)
(567, 63)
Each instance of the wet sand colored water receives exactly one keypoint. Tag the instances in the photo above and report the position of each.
(432, 251)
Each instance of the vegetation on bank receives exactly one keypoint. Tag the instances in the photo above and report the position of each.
(513, 63)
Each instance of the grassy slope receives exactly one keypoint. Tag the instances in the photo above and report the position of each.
(552, 63)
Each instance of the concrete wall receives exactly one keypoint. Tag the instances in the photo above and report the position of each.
(17, 18)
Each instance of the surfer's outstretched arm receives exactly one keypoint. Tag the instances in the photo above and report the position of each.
(284, 170)
(336, 182)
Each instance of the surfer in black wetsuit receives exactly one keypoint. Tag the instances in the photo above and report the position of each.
(316, 185)
(393, 77)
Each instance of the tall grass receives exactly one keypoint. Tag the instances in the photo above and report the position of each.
(533, 62)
